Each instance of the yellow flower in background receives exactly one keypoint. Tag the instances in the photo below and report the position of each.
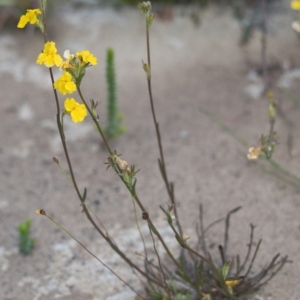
(86, 56)
(49, 57)
(232, 283)
(295, 4)
(76, 110)
(31, 17)
(65, 84)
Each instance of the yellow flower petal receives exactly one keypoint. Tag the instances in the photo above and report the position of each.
(65, 84)
(49, 57)
(31, 16)
(79, 113)
(295, 5)
(70, 104)
(23, 21)
(231, 283)
(87, 57)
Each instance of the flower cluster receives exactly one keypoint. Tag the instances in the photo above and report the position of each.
(76, 110)
(73, 66)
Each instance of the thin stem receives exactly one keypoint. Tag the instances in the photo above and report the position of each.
(202, 231)
(139, 229)
(226, 236)
(96, 216)
(116, 248)
(160, 266)
(169, 186)
(95, 121)
(248, 252)
(253, 258)
(85, 248)
(264, 44)
(136, 198)
(281, 264)
(43, 9)
(58, 119)
(292, 179)
(62, 136)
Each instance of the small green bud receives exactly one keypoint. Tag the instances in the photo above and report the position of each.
(152, 228)
(225, 270)
(180, 241)
(272, 111)
(146, 68)
(150, 19)
(94, 109)
(145, 7)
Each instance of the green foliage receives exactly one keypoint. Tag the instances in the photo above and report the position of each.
(114, 116)
(177, 294)
(26, 243)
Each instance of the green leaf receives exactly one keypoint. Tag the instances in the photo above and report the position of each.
(225, 270)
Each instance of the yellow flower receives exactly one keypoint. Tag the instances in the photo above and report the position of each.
(79, 113)
(253, 153)
(31, 17)
(70, 104)
(86, 56)
(295, 4)
(76, 110)
(49, 57)
(231, 283)
(65, 84)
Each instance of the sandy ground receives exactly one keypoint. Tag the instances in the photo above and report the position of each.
(191, 66)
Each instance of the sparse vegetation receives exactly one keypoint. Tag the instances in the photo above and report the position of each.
(26, 243)
(197, 275)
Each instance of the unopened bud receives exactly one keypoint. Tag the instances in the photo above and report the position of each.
(150, 19)
(122, 164)
(145, 215)
(185, 237)
(40, 212)
(145, 7)
(55, 159)
(146, 68)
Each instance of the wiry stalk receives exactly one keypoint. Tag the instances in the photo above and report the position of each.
(92, 254)
(70, 167)
(162, 165)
